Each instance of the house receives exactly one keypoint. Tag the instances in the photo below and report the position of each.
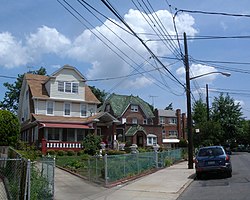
(56, 112)
(173, 124)
(136, 121)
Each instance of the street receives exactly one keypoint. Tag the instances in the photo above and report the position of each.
(219, 188)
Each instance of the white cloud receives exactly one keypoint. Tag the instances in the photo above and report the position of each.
(241, 102)
(47, 40)
(140, 82)
(198, 69)
(88, 48)
(12, 52)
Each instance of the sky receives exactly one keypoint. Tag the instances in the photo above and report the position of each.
(143, 60)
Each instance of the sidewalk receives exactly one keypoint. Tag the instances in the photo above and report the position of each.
(167, 184)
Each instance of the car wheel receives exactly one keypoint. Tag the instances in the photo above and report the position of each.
(198, 175)
(229, 174)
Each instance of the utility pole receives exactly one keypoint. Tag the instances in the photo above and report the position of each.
(208, 118)
(189, 116)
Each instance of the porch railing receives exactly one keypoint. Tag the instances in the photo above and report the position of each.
(59, 145)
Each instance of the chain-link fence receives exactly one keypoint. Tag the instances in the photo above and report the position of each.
(22, 179)
(111, 168)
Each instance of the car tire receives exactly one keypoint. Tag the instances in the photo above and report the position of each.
(229, 174)
(198, 175)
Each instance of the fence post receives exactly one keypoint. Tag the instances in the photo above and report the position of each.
(106, 168)
(27, 182)
(156, 159)
(53, 184)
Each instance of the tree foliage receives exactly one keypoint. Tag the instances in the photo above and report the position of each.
(9, 128)
(100, 95)
(91, 144)
(11, 97)
(228, 114)
(199, 112)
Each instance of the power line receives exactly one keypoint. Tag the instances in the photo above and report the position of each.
(212, 13)
(109, 6)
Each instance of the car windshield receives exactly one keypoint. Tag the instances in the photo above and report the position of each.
(210, 152)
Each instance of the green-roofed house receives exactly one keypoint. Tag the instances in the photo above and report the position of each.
(137, 123)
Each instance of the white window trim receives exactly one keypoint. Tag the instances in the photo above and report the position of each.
(71, 87)
(151, 139)
(52, 107)
(70, 108)
(134, 118)
(81, 110)
(134, 108)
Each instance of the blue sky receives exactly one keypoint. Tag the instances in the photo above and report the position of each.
(43, 33)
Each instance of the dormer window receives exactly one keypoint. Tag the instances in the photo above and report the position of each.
(134, 108)
(69, 87)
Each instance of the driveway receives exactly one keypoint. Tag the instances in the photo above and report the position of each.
(68, 186)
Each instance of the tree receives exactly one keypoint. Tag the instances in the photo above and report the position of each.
(210, 132)
(228, 114)
(9, 128)
(11, 98)
(100, 95)
(91, 144)
(199, 114)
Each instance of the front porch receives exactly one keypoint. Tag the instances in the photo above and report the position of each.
(60, 145)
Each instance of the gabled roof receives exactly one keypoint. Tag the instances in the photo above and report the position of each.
(120, 103)
(35, 83)
(133, 130)
(38, 90)
(68, 67)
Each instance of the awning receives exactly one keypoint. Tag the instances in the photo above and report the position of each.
(170, 140)
(57, 125)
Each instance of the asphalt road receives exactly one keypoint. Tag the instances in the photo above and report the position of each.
(219, 188)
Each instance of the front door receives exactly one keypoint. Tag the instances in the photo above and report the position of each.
(140, 139)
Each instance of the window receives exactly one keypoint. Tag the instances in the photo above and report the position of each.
(91, 110)
(50, 107)
(134, 108)
(151, 139)
(83, 110)
(172, 133)
(134, 121)
(60, 86)
(164, 135)
(53, 134)
(107, 108)
(124, 120)
(145, 121)
(74, 87)
(172, 121)
(69, 87)
(162, 121)
(67, 109)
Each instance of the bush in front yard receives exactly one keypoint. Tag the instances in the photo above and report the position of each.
(60, 153)
(70, 153)
(91, 144)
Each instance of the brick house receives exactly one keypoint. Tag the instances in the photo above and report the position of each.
(173, 124)
(58, 111)
(136, 121)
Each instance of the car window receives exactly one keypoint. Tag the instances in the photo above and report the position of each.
(210, 152)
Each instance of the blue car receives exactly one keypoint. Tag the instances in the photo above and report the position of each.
(212, 159)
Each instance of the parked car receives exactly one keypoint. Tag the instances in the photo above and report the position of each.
(228, 149)
(212, 159)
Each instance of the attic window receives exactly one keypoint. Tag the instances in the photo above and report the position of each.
(69, 87)
(134, 108)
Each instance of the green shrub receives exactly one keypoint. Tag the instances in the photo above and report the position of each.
(70, 153)
(60, 153)
(182, 143)
(91, 144)
(168, 162)
(115, 152)
(51, 152)
(79, 153)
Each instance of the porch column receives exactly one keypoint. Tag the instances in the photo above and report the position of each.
(44, 149)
